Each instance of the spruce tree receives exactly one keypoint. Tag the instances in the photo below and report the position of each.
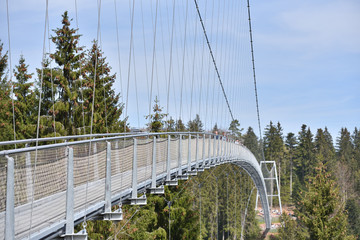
(179, 126)
(107, 109)
(252, 143)
(195, 125)
(235, 130)
(6, 124)
(170, 125)
(67, 55)
(305, 155)
(25, 101)
(324, 149)
(156, 120)
(320, 209)
(290, 144)
(345, 147)
(49, 108)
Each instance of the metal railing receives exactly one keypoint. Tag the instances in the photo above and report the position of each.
(52, 186)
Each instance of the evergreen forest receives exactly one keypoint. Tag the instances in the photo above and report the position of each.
(319, 174)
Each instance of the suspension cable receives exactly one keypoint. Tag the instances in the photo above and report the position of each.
(51, 77)
(170, 63)
(213, 59)
(92, 116)
(10, 70)
(81, 82)
(129, 67)
(38, 120)
(256, 95)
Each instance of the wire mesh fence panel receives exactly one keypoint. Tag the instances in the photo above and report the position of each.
(121, 164)
(174, 152)
(89, 174)
(144, 158)
(161, 155)
(39, 184)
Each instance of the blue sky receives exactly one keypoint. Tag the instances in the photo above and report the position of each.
(307, 57)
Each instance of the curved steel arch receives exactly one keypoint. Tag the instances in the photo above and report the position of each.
(246, 160)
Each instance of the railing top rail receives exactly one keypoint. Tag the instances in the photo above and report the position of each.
(113, 136)
(33, 140)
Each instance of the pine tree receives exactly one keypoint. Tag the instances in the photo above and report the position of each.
(305, 156)
(252, 143)
(195, 125)
(156, 120)
(25, 101)
(235, 130)
(320, 208)
(3, 67)
(290, 144)
(170, 125)
(49, 108)
(179, 126)
(345, 147)
(6, 124)
(67, 55)
(107, 109)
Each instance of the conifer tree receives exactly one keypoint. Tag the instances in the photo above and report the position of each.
(49, 108)
(170, 125)
(320, 209)
(25, 101)
(305, 156)
(252, 143)
(290, 144)
(6, 125)
(157, 118)
(107, 109)
(179, 126)
(67, 55)
(195, 125)
(235, 130)
(345, 147)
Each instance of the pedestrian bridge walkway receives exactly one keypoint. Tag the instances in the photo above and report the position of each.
(45, 190)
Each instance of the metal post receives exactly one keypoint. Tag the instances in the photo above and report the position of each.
(203, 151)
(196, 152)
(278, 188)
(180, 156)
(221, 150)
(209, 152)
(214, 150)
(168, 160)
(189, 154)
(153, 177)
(69, 230)
(10, 196)
(218, 150)
(134, 172)
(108, 179)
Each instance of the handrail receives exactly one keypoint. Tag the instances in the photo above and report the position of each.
(123, 136)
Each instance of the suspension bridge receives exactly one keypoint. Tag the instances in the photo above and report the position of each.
(55, 183)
